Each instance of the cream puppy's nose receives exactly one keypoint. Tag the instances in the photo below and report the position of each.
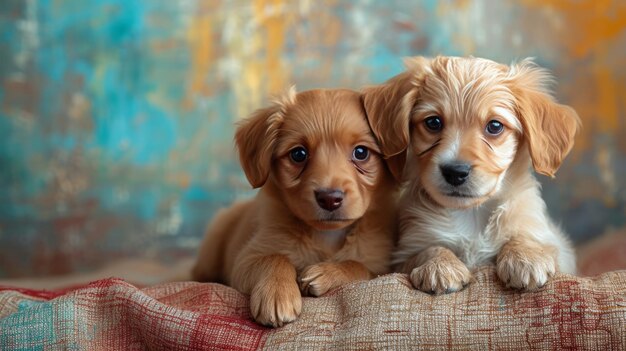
(455, 173)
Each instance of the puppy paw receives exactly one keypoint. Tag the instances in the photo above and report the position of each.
(440, 276)
(525, 268)
(274, 303)
(318, 279)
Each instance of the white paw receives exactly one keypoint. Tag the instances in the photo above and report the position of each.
(440, 276)
(525, 269)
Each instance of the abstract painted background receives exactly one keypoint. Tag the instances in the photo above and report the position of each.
(116, 116)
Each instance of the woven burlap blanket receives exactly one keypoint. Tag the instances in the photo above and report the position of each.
(384, 313)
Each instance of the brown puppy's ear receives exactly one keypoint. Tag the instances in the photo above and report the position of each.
(548, 127)
(388, 107)
(256, 136)
(396, 164)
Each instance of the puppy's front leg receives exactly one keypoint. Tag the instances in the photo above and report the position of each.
(271, 282)
(524, 263)
(319, 278)
(436, 270)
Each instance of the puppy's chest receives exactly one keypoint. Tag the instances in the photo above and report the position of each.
(329, 241)
(321, 246)
(470, 234)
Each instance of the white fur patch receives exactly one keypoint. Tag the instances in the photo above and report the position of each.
(451, 152)
(462, 231)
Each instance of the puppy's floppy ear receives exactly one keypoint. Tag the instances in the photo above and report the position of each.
(548, 127)
(388, 107)
(256, 137)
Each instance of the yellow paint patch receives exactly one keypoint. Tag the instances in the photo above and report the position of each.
(200, 43)
(272, 15)
(254, 53)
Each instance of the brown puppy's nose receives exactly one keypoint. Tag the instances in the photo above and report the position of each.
(329, 199)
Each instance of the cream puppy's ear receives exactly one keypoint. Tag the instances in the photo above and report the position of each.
(256, 137)
(388, 107)
(548, 127)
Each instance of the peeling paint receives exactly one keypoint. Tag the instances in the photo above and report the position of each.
(116, 117)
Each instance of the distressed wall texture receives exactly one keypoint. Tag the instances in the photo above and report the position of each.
(116, 117)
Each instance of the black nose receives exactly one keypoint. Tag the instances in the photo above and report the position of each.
(329, 199)
(455, 173)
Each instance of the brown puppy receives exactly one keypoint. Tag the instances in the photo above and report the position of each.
(324, 215)
(473, 127)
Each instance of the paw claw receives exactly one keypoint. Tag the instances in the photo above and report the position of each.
(452, 290)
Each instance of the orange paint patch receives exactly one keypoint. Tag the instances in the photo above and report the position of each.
(591, 29)
(589, 23)
(607, 100)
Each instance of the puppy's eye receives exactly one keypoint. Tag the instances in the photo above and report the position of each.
(298, 154)
(360, 153)
(434, 123)
(494, 127)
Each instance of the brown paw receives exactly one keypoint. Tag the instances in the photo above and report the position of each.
(318, 279)
(440, 276)
(523, 268)
(274, 303)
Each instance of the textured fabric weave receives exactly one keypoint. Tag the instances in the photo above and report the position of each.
(384, 313)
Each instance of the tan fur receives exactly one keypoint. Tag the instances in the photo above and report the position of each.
(548, 127)
(281, 243)
(497, 215)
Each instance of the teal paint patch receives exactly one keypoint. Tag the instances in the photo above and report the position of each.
(132, 130)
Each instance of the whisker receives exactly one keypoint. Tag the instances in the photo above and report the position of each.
(485, 141)
(361, 169)
(430, 148)
(300, 173)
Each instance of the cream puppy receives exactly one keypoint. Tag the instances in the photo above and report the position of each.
(470, 129)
